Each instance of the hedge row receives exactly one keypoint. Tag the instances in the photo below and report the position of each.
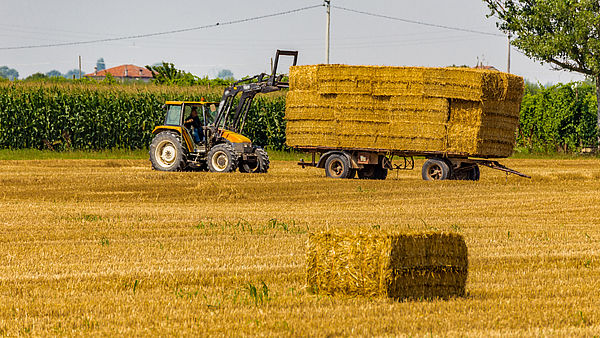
(562, 117)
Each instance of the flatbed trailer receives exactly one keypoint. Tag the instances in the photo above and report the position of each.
(367, 163)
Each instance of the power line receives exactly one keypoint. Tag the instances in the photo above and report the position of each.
(418, 22)
(233, 22)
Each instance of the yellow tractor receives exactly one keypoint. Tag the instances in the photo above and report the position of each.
(208, 135)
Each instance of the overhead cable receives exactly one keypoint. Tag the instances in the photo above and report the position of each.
(422, 23)
(138, 36)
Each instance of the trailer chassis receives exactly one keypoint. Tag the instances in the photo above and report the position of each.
(375, 163)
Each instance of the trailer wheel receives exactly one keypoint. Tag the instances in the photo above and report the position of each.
(381, 173)
(352, 173)
(372, 172)
(337, 166)
(434, 170)
(467, 173)
(367, 172)
(474, 173)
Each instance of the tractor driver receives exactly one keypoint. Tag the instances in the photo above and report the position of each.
(194, 121)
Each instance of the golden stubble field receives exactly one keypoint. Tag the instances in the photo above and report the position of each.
(111, 247)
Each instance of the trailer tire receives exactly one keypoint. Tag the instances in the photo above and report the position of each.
(435, 169)
(381, 173)
(337, 166)
(372, 172)
(468, 173)
(474, 174)
(367, 172)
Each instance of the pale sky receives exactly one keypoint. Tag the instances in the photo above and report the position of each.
(246, 48)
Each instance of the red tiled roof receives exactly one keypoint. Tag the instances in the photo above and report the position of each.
(485, 67)
(132, 71)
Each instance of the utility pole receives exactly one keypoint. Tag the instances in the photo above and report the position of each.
(328, 5)
(80, 67)
(508, 65)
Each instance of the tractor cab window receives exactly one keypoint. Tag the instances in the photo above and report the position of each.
(210, 111)
(173, 117)
(187, 112)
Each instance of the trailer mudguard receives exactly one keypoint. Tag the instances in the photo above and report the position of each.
(323, 158)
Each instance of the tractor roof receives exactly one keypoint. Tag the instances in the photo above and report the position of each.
(190, 102)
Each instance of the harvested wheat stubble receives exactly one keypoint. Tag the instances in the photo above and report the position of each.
(465, 111)
(375, 264)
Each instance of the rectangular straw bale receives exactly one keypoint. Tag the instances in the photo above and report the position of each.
(398, 81)
(303, 77)
(362, 128)
(413, 143)
(416, 129)
(463, 126)
(399, 266)
(339, 79)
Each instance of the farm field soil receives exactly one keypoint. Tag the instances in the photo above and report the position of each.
(108, 247)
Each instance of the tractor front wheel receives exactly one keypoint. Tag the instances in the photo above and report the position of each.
(222, 159)
(167, 152)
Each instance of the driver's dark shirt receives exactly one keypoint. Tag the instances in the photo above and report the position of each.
(196, 123)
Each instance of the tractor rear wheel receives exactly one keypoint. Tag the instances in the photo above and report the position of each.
(435, 169)
(222, 159)
(167, 152)
(260, 166)
(337, 166)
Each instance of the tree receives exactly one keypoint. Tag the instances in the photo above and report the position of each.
(73, 74)
(225, 74)
(166, 73)
(9, 73)
(36, 76)
(563, 33)
(54, 73)
(100, 64)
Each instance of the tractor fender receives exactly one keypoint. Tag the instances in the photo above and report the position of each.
(325, 156)
(186, 136)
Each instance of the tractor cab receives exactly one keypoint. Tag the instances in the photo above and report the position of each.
(179, 114)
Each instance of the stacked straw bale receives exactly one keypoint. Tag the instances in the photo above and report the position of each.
(452, 110)
(399, 266)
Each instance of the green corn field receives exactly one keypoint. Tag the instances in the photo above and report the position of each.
(99, 116)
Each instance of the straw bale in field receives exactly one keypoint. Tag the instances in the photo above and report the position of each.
(462, 111)
(412, 265)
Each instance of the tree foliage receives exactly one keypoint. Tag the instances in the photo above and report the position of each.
(73, 74)
(558, 118)
(36, 76)
(54, 73)
(167, 74)
(564, 33)
(8, 73)
(225, 74)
